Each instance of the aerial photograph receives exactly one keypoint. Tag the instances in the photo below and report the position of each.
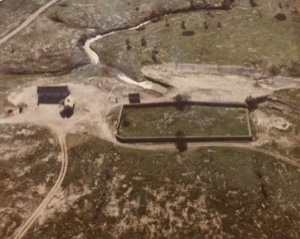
(149, 119)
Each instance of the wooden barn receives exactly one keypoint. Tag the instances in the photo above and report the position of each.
(52, 94)
(134, 98)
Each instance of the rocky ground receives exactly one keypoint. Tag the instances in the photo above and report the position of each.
(14, 12)
(113, 192)
(29, 167)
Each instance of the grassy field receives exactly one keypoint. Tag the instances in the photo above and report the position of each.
(193, 121)
(203, 193)
(28, 170)
(244, 36)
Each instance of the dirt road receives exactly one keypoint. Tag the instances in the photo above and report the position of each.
(26, 226)
(248, 146)
(27, 21)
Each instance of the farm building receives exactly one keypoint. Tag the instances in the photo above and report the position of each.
(134, 98)
(52, 94)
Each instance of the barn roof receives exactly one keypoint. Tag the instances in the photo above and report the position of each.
(52, 94)
(134, 98)
(53, 89)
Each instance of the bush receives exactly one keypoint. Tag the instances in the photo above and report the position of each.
(280, 16)
(188, 33)
(252, 103)
(181, 100)
(125, 121)
(181, 143)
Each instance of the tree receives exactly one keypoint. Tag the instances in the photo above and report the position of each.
(183, 25)
(128, 47)
(181, 143)
(167, 24)
(154, 13)
(227, 4)
(125, 120)
(253, 3)
(251, 103)
(143, 42)
(181, 101)
(192, 4)
(205, 25)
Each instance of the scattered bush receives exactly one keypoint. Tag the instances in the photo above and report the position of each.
(227, 4)
(125, 121)
(167, 24)
(252, 103)
(183, 25)
(143, 42)
(274, 70)
(280, 17)
(181, 100)
(141, 28)
(253, 3)
(128, 46)
(294, 68)
(188, 33)
(181, 143)
(205, 25)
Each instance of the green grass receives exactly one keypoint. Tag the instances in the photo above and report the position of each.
(194, 121)
(226, 189)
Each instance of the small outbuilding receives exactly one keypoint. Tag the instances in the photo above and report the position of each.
(134, 98)
(52, 94)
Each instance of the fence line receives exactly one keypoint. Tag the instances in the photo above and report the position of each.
(186, 138)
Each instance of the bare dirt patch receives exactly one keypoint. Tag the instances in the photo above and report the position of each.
(216, 83)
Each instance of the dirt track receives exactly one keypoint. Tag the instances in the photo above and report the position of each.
(26, 226)
(27, 21)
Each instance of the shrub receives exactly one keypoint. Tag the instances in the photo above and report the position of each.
(188, 33)
(181, 100)
(280, 16)
(180, 143)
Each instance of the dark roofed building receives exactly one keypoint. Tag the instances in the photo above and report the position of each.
(134, 98)
(52, 94)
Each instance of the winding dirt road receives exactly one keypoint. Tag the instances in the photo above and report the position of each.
(27, 225)
(27, 21)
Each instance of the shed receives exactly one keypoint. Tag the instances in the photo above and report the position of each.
(52, 94)
(134, 98)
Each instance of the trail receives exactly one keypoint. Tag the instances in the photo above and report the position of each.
(94, 59)
(27, 21)
(26, 226)
(170, 146)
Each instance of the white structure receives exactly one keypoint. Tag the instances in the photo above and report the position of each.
(69, 102)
